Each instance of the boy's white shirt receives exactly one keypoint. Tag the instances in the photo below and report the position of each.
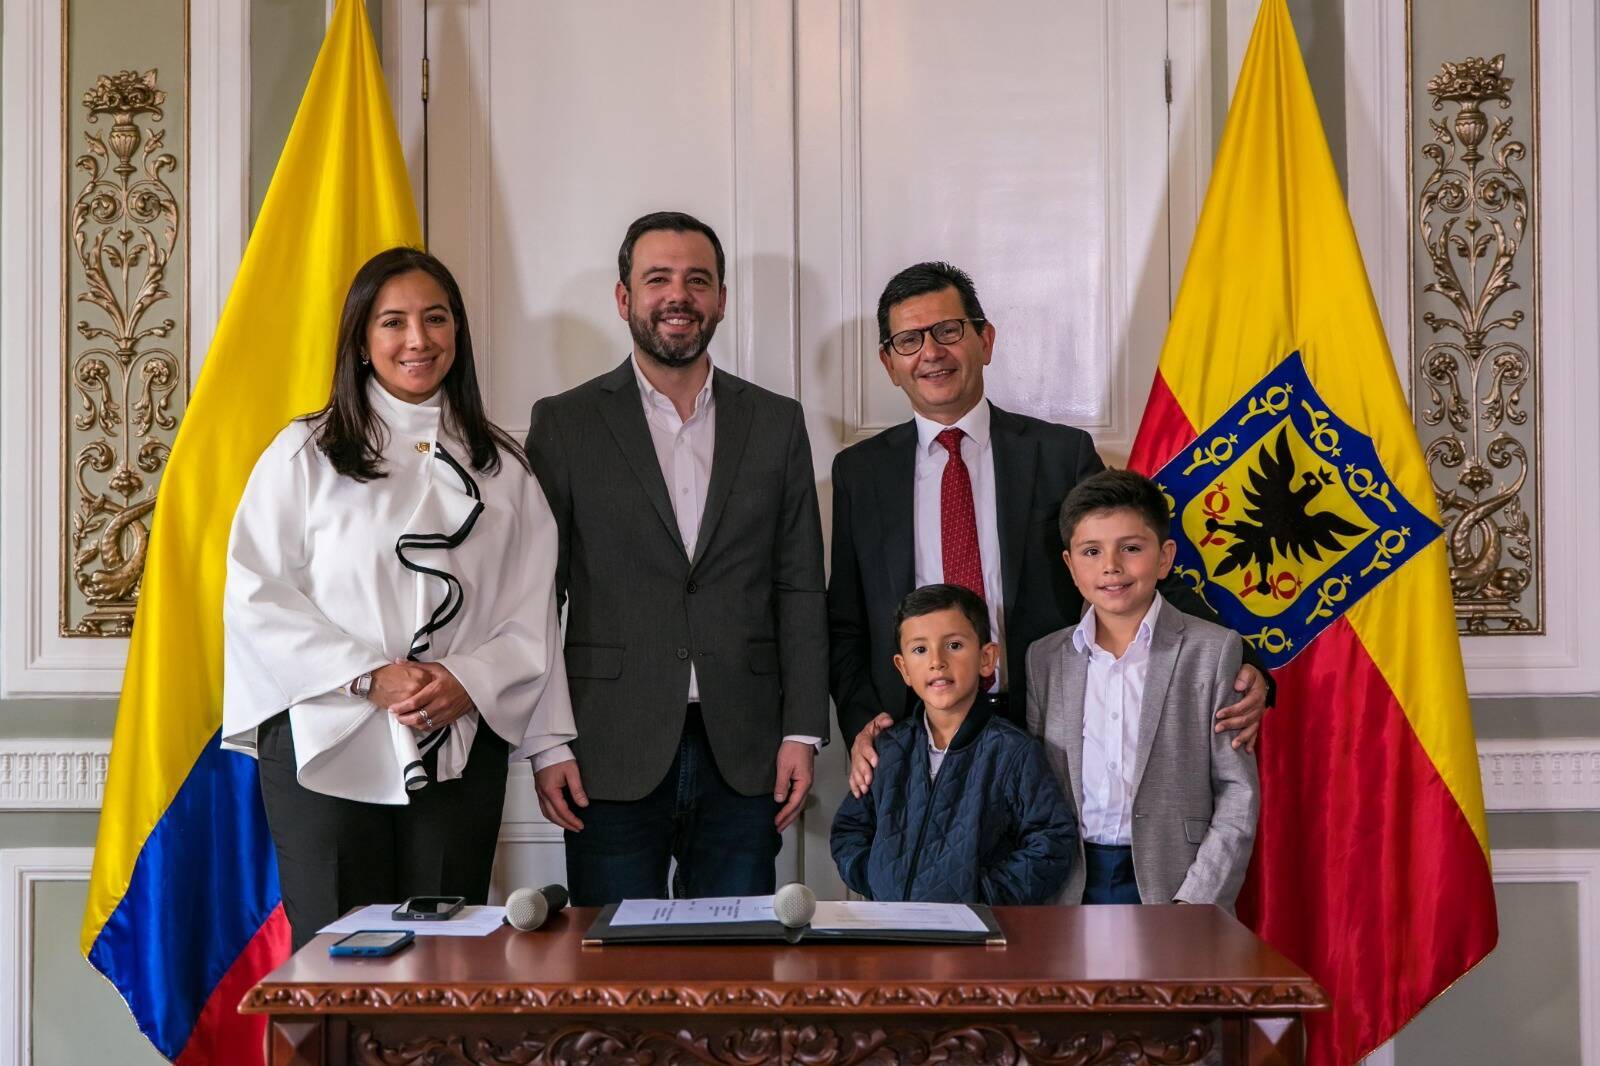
(1112, 696)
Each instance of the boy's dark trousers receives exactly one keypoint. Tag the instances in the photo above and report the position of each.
(1108, 870)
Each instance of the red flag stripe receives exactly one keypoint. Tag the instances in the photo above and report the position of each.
(1162, 431)
(1345, 841)
(221, 1034)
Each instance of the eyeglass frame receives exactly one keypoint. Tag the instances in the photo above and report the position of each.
(923, 332)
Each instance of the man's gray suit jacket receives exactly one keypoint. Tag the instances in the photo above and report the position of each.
(747, 609)
(1195, 796)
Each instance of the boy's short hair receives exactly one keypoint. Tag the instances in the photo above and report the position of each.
(1115, 490)
(931, 598)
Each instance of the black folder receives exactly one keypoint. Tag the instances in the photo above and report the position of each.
(603, 932)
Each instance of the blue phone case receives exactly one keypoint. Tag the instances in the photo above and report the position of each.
(341, 949)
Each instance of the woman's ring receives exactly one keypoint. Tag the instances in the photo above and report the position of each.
(427, 720)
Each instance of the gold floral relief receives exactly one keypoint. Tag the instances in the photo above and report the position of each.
(1477, 395)
(124, 380)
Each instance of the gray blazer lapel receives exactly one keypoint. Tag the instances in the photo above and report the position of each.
(895, 488)
(1016, 457)
(623, 410)
(1164, 644)
(1074, 679)
(733, 427)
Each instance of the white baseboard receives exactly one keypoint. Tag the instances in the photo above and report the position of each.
(20, 870)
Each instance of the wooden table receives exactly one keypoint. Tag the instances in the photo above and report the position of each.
(1078, 985)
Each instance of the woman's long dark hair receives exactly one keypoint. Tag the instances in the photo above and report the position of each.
(352, 435)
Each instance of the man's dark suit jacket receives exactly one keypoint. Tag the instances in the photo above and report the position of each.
(748, 609)
(1036, 463)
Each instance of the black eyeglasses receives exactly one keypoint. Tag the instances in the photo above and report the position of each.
(951, 330)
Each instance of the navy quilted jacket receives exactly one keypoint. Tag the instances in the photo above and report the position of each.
(993, 827)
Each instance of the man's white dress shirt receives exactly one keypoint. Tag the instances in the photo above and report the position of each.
(977, 453)
(1113, 693)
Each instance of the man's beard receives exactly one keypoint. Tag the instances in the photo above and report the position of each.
(673, 353)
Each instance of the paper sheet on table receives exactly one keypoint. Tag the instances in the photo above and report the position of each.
(867, 914)
(712, 910)
(471, 921)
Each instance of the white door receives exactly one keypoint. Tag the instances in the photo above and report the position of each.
(830, 143)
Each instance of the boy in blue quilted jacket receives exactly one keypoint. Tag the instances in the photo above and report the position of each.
(963, 807)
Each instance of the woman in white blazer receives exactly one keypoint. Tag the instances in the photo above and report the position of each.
(391, 639)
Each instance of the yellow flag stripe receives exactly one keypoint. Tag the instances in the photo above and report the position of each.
(339, 195)
(1296, 282)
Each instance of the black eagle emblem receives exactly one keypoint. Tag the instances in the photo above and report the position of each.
(1277, 521)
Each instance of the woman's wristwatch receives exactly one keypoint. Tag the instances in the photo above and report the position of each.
(361, 686)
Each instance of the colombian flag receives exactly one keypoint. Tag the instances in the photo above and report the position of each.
(1305, 514)
(184, 914)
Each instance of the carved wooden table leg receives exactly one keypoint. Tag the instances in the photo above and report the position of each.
(1274, 1041)
(298, 1042)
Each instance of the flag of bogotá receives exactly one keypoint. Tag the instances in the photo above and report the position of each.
(184, 913)
(1306, 516)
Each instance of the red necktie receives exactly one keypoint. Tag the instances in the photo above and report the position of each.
(958, 519)
(958, 524)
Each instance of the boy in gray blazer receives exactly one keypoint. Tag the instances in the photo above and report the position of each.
(1166, 807)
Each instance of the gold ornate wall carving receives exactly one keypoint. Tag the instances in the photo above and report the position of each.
(125, 378)
(1478, 379)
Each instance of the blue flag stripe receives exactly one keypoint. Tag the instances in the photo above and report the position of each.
(203, 885)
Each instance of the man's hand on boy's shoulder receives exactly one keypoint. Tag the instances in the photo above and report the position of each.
(864, 754)
(1243, 715)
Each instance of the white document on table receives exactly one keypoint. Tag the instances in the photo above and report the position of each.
(469, 921)
(866, 915)
(712, 910)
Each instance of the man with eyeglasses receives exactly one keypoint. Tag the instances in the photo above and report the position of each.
(966, 494)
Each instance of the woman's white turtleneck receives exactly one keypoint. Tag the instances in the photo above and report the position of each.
(317, 595)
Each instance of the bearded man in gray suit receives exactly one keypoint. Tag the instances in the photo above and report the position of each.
(690, 569)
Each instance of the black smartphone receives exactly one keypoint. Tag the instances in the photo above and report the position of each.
(428, 908)
(371, 943)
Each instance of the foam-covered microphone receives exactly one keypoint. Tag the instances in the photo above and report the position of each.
(794, 904)
(529, 908)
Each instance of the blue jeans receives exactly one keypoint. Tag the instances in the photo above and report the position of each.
(725, 843)
(1108, 874)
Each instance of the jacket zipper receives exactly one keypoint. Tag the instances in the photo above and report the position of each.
(916, 854)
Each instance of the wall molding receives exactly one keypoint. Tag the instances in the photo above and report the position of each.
(1567, 223)
(1557, 774)
(1538, 866)
(1376, 91)
(766, 271)
(1581, 867)
(20, 870)
(53, 775)
(35, 660)
(522, 822)
(68, 774)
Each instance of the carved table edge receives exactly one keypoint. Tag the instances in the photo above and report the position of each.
(451, 997)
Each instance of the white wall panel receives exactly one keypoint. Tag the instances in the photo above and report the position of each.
(1032, 152)
(549, 131)
(830, 143)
